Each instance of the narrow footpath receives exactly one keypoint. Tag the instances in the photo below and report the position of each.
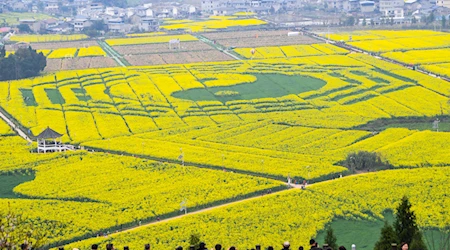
(218, 47)
(113, 54)
(15, 127)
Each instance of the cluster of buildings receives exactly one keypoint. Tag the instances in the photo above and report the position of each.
(226, 7)
(391, 11)
(78, 15)
(372, 11)
(386, 8)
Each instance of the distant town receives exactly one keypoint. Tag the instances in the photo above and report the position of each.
(84, 16)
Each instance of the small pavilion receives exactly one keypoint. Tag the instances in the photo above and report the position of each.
(50, 141)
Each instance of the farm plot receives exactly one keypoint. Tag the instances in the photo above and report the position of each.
(59, 45)
(404, 44)
(178, 58)
(92, 51)
(146, 34)
(212, 23)
(47, 38)
(290, 51)
(440, 69)
(258, 39)
(380, 35)
(419, 57)
(161, 48)
(149, 40)
(429, 50)
(79, 63)
(71, 55)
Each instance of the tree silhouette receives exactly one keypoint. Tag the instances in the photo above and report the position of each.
(330, 239)
(387, 237)
(406, 228)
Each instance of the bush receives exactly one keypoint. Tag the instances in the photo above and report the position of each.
(364, 161)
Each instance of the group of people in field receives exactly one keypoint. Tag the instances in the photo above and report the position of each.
(202, 246)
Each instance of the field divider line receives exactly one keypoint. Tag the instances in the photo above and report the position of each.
(217, 47)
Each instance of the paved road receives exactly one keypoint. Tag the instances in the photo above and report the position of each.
(14, 127)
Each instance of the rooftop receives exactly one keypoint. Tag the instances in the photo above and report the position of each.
(49, 133)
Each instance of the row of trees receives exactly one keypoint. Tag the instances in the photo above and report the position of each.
(25, 62)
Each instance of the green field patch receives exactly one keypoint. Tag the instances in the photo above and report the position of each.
(359, 73)
(345, 78)
(351, 81)
(399, 77)
(364, 233)
(378, 80)
(266, 86)
(55, 96)
(334, 74)
(81, 94)
(28, 97)
(9, 182)
(412, 123)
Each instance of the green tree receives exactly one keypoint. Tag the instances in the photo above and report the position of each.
(430, 18)
(387, 237)
(99, 25)
(24, 28)
(417, 242)
(330, 239)
(364, 161)
(25, 62)
(444, 22)
(350, 21)
(364, 22)
(406, 228)
(7, 68)
(96, 28)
